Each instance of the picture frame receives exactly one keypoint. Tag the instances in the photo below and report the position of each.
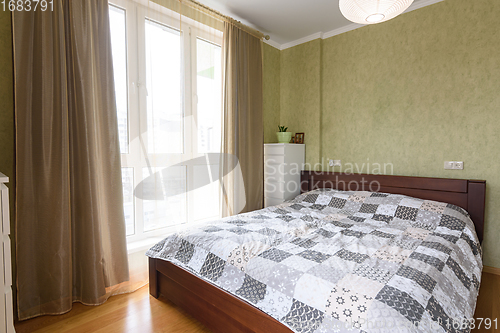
(299, 137)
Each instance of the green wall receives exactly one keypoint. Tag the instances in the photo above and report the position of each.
(271, 93)
(7, 118)
(300, 95)
(7, 104)
(6, 97)
(415, 91)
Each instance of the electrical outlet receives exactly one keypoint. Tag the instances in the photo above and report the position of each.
(448, 165)
(454, 165)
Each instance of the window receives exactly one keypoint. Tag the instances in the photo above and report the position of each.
(208, 87)
(119, 50)
(163, 82)
(168, 95)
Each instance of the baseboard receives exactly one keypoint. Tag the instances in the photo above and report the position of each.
(491, 270)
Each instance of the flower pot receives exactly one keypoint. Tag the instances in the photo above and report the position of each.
(284, 137)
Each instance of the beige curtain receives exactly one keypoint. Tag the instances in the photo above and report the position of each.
(70, 226)
(242, 133)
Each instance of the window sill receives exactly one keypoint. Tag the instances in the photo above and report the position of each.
(142, 245)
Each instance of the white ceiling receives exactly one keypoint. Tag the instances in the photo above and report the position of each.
(290, 22)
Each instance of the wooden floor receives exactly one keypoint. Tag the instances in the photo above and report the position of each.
(135, 312)
(488, 302)
(138, 312)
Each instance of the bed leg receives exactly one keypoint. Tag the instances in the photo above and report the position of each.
(153, 278)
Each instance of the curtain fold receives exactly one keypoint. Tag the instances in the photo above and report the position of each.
(71, 243)
(242, 153)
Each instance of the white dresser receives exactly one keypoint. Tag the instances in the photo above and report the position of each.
(282, 165)
(6, 305)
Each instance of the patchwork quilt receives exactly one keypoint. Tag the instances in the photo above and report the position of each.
(335, 261)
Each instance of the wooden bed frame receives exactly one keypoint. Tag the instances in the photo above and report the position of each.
(223, 312)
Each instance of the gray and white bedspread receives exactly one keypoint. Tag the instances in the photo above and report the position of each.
(334, 261)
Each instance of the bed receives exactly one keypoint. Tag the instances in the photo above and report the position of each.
(345, 249)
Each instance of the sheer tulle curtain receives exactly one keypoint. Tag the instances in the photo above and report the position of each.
(166, 87)
(181, 92)
(242, 158)
(71, 244)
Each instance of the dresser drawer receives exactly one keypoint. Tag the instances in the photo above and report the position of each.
(274, 189)
(9, 311)
(274, 178)
(274, 149)
(7, 278)
(274, 172)
(268, 202)
(274, 166)
(274, 159)
(4, 210)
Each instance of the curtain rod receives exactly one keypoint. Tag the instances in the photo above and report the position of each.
(218, 15)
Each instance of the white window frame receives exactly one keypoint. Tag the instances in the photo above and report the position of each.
(136, 14)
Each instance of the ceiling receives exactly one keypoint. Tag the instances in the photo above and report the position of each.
(288, 21)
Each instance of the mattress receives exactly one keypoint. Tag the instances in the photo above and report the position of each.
(335, 261)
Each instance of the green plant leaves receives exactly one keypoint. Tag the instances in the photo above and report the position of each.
(282, 128)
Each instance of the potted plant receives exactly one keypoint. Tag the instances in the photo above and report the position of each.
(283, 135)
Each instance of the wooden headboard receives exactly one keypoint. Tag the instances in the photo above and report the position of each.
(465, 193)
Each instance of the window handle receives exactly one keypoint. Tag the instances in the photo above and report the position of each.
(139, 85)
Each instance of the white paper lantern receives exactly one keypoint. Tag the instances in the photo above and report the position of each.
(372, 11)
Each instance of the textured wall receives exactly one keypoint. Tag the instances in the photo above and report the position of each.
(300, 95)
(271, 86)
(6, 103)
(415, 91)
(7, 118)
